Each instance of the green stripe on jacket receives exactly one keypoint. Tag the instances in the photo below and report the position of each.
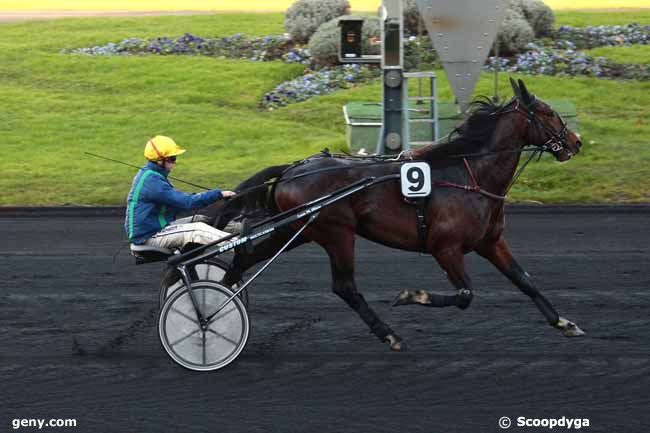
(161, 217)
(136, 196)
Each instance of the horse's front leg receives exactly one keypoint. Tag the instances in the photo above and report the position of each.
(499, 254)
(452, 261)
(341, 254)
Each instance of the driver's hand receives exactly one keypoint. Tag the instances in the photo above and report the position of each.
(228, 194)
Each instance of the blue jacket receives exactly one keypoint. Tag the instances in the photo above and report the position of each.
(153, 203)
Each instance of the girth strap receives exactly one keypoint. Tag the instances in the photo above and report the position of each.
(421, 219)
(420, 205)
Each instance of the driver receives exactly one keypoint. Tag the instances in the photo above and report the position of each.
(153, 203)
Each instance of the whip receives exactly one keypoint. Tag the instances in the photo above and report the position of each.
(136, 167)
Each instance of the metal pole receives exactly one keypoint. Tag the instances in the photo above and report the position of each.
(391, 138)
(495, 98)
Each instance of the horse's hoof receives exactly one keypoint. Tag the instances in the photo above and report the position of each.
(406, 298)
(403, 298)
(569, 329)
(400, 346)
(396, 343)
(573, 331)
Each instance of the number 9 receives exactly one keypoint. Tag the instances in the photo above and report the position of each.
(415, 176)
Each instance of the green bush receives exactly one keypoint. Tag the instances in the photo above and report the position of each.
(539, 15)
(304, 17)
(524, 20)
(515, 33)
(412, 18)
(324, 44)
(419, 54)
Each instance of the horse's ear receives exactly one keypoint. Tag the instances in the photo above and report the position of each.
(526, 97)
(515, 88)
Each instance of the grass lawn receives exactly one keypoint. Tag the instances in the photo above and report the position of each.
(55, 106)
(605, 18)
(637, 54)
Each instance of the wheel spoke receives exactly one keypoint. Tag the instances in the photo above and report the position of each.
(222, 314)
(184, 338)
(203, 347)
(180, 313)
(229, 340)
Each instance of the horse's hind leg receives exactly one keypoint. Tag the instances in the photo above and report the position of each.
(499, 254)
(452, 261)
(341, 256)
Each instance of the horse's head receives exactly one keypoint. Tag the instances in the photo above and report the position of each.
(546, 128)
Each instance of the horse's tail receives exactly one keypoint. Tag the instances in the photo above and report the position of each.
(254, 197)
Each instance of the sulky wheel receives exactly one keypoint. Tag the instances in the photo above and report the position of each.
(206, 348)
(212, 270)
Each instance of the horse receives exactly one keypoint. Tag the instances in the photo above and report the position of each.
(471, 175)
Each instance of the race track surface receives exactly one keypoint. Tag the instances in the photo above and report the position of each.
(79, 339)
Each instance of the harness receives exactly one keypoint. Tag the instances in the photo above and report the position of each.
(420, 206)
(555, 143)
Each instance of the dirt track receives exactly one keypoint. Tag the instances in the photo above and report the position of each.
(78, 337)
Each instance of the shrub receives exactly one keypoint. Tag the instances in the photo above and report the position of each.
(419, 54)
(304, 17)
(540, 19)
(515, 33)
(412, 18)
(324, 44)
(539, 15)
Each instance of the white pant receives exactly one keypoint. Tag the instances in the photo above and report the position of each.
(179, 234)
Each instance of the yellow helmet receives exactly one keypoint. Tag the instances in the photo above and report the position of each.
(161, 147)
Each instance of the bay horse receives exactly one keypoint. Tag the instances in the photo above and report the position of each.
(465, 211)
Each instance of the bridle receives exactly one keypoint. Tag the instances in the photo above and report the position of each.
(556, 141)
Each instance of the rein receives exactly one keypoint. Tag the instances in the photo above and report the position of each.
(554, 143)
(309, 173)
(474, 187)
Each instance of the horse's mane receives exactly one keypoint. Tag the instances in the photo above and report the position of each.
(470, 137)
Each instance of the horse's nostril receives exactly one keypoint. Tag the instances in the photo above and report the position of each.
(578, 144)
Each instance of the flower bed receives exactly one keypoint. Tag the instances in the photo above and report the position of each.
(600, 36)
(320, 82)
(538, 59)
(238, 46)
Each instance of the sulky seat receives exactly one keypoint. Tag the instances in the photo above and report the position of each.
(148, 254)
